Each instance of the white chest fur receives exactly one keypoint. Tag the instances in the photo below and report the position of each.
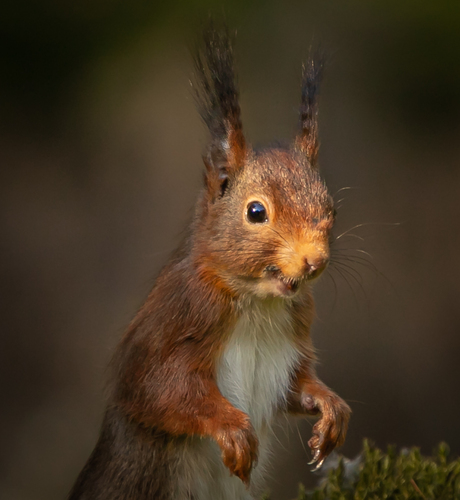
(254, 374)
(257, 364)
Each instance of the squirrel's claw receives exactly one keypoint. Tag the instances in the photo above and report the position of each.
(319, 465)
(321, 451)
(330, 430)
(239, 451)
(315, 457)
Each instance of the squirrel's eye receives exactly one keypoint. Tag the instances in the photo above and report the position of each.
(256, 213)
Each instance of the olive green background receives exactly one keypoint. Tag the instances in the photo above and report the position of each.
(100, 150)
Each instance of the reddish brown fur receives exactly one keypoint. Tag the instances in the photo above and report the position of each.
(164, 386)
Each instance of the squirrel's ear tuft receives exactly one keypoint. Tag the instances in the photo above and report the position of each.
(217, 97)
(307, 140)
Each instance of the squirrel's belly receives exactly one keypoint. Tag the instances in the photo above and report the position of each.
(257, 364)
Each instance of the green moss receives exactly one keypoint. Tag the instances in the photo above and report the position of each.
(376, 475)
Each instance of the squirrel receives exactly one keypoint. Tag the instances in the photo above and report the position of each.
(222, 345)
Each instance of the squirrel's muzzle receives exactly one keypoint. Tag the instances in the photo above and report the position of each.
(304, 259)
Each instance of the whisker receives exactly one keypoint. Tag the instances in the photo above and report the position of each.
(340, 263)
(359, 261)
(364, 252)
(350, 235)
(301, 439)
(346, 188)
(346, 281)
(348, 230)
(365, 263)
(369, 224)
(350, 271)
(277, 439)
(354, 258)
(329, 275)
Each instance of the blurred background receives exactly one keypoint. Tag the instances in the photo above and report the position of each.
(100, 164)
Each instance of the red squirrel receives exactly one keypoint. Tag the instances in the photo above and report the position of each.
(222, 345)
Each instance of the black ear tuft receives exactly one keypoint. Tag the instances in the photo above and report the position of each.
(217, 97)
(312, 74)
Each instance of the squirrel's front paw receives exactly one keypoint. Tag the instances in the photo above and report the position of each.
(239, 447)
(331, 429)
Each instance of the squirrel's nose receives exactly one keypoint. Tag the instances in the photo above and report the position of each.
(314, 266)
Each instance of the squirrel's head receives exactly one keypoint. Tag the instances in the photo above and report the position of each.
(265, 217)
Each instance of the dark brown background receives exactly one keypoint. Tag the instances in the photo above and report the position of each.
(100, 164)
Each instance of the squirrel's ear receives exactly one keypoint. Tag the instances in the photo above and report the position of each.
(307, 140)
(222, 162)
(217, 97)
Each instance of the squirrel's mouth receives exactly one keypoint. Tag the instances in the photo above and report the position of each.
(286, 285)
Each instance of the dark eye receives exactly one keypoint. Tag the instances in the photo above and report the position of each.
(256, 213)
